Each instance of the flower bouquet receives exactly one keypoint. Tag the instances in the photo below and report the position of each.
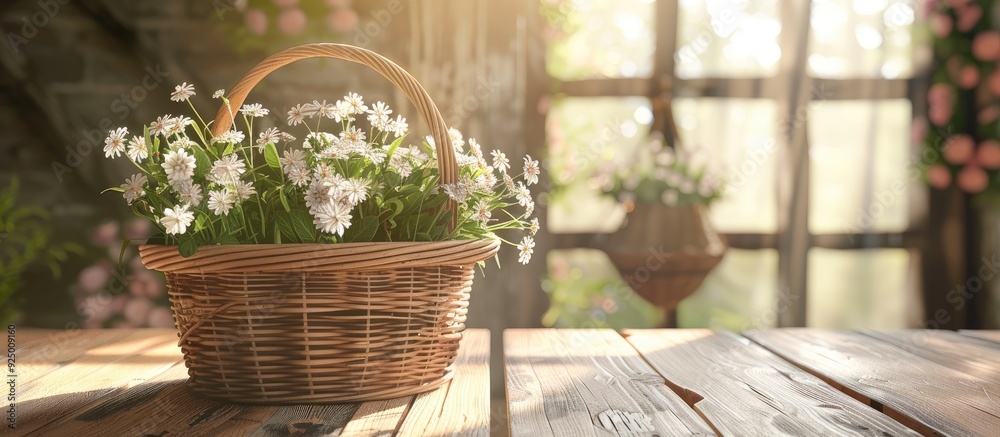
(269, 311)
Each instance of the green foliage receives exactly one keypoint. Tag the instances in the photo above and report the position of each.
(25, 238)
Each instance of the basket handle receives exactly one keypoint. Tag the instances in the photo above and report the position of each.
(399, 77)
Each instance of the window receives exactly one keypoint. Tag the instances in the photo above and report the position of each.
(803, 107)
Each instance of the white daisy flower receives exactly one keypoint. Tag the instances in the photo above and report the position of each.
(531, 170)
(294, 159)
(533, 228)
(177, 219)
(218, 94)
(269, 135)
(227, 170)
(323, 109)
(523, 194)
(229, 137)
(114, 144)
(481, 212)
(332, 218)
(190, 193)
(375, 155)
(179, 166)
(221, 201)
(285, 137)
(343, 112)
(378, 116)
(355, 191)
(458, 191)
(318, 140)
(529, 208)
(161, 125)
(485, 182)
(399, 127)
(244, 190)
(299, 176)
(525, 249)
(134, 187)
(508, 182)
(356, 103)
(298, 114)
(353, 139)
(137, 150)
(500, 161)
(317, 194)
(182, 143)
(182, 92)
(254, 110)
(475, 149)
(176, 125)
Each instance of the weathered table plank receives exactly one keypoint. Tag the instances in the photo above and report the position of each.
(967, 354)
(40, 351)
(100, 372)
(164, 405)
(993, 336)
(743, 389)
(588, 383)
(920, 393)
(462, 406)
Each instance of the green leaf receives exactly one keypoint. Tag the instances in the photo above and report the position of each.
(188, 247)
(362, 230)
(271, 156)
(118, 189)
(201, 159)
(302, 224)
(226, 239)
(284, 200)
(201, 222)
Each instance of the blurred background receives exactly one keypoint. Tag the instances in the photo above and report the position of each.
(740, 163)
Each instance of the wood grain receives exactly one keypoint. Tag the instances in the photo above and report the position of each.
(743, 389)
(462, 406)
(40, 351)
(100, 372)
(922, 394)
(969, 355)
(377, 419)
(993, 336)
(588, 383)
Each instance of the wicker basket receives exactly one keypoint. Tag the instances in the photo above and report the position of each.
(323, 323)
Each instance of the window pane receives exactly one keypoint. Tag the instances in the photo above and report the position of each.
(734, 138)
(727, 38)
(861, 38)
(861, 289)
(739, 294)
(586, 291)
(600, 38)
(587, 138)
(859, 177)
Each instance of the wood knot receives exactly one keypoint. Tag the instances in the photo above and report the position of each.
(626, 423)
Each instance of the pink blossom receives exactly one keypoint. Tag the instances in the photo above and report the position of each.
(94, 278)
(988, 154)
(959, 149)
(256, 21)
(941, 24)
(968, 17)
(969, 77)
(939, 114)
(160, 317)
(342, 20)
(987, 115)
(292, 21)
(939, 93)
(993, 83)
(938, 176)
(105, 235)
(972, 179)
(137, 310)
(986, 46)
(138, 229)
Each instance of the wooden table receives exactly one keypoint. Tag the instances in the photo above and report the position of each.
(781, 382)
(131, 383)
